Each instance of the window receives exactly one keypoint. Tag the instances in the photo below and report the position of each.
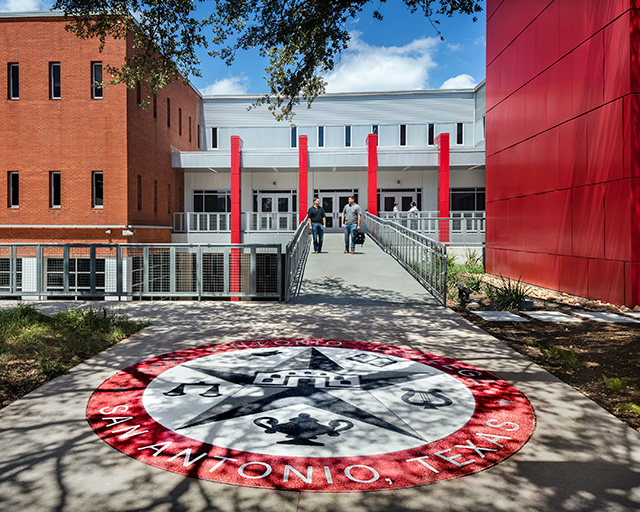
(169, 198)
(347, 136)
(155, 196)
(212, 201)
(459, 134)
(96, 77)
(189, 128)
(320, 136)
(14, 81)
(403, 134)
(168, 113)
(54, 81)
(294, 137)
(374, 129)
(139, 192)
(214, 138)
(55, 189)
(180, 122)
(467, 199)
(155, 106)
(14, 189)
(97, 191)
(484, 127)
(431, 134)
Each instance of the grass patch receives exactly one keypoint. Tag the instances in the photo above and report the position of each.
(614, 383)
(35, 348)
(508, 294)
(630, 407)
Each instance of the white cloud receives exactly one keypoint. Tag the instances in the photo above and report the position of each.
(459, 82)
(383, 68)
(230, 85)
(24, 5)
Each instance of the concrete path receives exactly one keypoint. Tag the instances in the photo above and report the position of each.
(580, 458)
(368, 277)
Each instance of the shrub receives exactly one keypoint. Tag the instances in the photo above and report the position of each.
(508, 294)
(614, 383)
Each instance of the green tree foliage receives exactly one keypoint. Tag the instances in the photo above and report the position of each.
(300, 38)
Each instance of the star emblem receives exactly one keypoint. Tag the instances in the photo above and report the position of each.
(309, 378)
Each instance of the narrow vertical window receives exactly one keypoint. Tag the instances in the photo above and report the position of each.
(14, 81)
(198, 136)
(347, 136)
(189, 128)
(168, 113)
(155, 106)
(96, 78)
(55, 190)
(214, 138)
(374, 129)
(294, 136)
(139, 192)
(14, 189)
(138, 93)
(55, 87)
(431, 134)
(97, 194)
(459, 134)
(320, 136)
(403, 134)
(484, 127)
(169, 198)
(155, 196)
(180, 122)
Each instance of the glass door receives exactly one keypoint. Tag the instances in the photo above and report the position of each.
(274, 212)
(333, 202)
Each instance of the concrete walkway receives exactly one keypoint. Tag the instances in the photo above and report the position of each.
(580, 458)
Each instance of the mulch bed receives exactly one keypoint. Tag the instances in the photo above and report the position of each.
(601, 349)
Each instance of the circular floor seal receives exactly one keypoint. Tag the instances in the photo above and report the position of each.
(311, 415)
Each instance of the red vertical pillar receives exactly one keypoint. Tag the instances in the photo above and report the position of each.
(442, 142)
(236, 214)
(303, 168)
(372, 202)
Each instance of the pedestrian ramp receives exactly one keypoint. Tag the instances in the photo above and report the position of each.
(368, 277)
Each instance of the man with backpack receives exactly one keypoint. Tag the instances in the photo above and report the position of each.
(351, 215)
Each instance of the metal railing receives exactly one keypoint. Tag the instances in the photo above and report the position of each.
(141, 270)
(465, 228)
(207, 222)
(190, 222)
(295, 260)
(423, 257)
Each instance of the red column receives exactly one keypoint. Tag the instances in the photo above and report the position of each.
(372, 203)
(303, 188)
(442, 142)
(236, 211)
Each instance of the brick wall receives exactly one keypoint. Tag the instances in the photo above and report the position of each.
(77, 135)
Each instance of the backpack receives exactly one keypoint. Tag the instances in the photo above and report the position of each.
(358, 237)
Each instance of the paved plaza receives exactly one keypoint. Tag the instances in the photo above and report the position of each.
(579, 457)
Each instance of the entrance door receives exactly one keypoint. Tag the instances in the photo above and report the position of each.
(404, 198)
(275, 211)
(333, 201)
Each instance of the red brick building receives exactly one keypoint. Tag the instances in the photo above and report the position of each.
(80, 164)
(563, 146)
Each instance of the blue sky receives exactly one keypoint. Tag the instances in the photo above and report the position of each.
(402, 52)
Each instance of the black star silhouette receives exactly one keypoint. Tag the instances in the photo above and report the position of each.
(305, 392)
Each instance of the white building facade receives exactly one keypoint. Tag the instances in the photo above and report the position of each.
(327, 152)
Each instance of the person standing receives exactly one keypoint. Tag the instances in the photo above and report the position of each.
(317, 224)
(413, 214)
(351, 215)
(396, 210)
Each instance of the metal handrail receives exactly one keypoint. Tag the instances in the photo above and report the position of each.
(422, 257)
(296, 255)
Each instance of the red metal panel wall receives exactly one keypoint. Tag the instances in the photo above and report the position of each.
(563, 152)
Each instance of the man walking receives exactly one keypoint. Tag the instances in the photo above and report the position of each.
(350, 221)
(317, 224)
